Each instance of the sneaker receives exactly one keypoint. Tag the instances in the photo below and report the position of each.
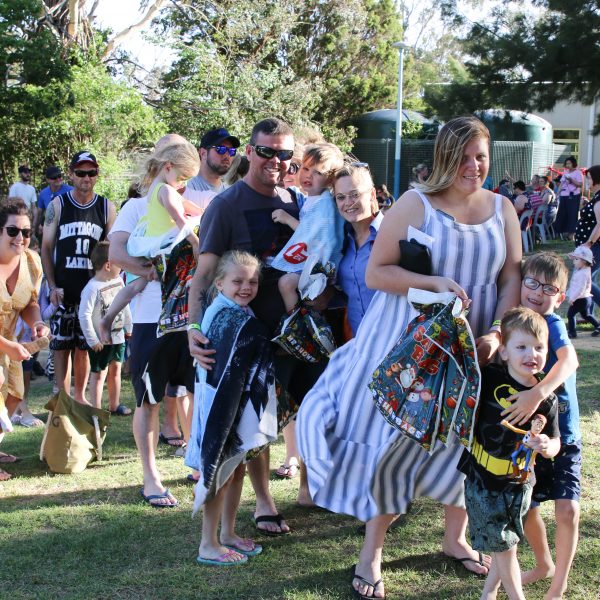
(596, 332)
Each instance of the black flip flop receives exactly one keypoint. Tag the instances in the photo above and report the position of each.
(163, 439)
(356, 593)
(479, 562)
(277, 519)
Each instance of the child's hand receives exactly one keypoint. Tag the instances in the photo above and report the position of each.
(16, 351)
(280, 216)
(97, 347)
(540, 443)
(524, 404)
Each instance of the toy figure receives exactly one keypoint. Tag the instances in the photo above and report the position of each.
(537, 425)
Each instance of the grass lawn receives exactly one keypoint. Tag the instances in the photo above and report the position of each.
(89, 536)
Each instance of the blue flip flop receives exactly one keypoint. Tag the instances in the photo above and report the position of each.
(256, 548)
(151, 497)
(220, 560)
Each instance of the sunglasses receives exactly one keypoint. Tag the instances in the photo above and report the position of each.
(54, 178)
(14, 231)
(81, 173)
(224, 150)
(534, 284)
(269, 153)
(293, 168)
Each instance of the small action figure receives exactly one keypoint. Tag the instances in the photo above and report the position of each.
(537, 425)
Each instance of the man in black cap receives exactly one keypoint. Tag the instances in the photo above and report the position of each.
(23, 189)
(55, 187)
(75, 222)
(217, 149)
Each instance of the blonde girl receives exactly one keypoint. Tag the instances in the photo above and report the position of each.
(165, 172)
(234, 411)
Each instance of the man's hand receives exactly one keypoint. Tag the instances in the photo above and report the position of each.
(197, 342)
(321, 302)
(97, 347)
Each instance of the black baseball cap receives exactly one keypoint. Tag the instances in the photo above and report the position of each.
(83, 156)
(53, 172)
(24, 169)
(214, 137)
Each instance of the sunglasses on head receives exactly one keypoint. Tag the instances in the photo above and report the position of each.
(269, 153)
(547, 288)
(81, 173)
(14, 231)
(224, 150)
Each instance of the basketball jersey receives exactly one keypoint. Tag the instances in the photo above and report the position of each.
(80, 228)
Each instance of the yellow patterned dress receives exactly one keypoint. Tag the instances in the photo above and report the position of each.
(11, 305)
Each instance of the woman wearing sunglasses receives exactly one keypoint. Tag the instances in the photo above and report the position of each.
(20, 278)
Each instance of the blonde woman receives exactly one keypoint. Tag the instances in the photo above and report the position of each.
(357, 463)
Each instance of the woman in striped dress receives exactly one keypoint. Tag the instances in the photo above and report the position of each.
(357, 463)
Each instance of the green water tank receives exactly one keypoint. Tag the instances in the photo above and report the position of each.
(381, 124)
(516, 126)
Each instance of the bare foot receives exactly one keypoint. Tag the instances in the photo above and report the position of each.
(4, 476)
(104, 329)
(304, 498)
(471, 559)
(537, 573)
(367, 581)
(552, 595)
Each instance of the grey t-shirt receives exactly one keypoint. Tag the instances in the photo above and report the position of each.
(240, 219)
(201, 185)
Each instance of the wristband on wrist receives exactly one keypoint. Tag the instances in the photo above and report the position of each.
(194, 326)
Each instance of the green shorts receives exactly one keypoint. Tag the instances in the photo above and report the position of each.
(110, 353)
(496, 517)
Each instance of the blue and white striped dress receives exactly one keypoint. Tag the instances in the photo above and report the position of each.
(358, 464)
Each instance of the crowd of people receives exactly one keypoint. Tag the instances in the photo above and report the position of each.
(215, 271)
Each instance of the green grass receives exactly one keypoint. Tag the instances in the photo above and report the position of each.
(89, 536)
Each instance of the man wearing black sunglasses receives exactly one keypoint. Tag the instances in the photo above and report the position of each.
(240, 218)
(217, 149)
(75, 222)
(56, 186)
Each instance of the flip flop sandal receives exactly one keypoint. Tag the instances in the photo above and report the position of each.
(221, 561)
(466, 559)
(6, 459)
(122, 411)
(31, 422)
(254, 551)
(357, 594)
(287, 471)
(166, 494)
(163, 439)
(277, 519)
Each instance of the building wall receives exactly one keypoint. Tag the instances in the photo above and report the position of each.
(583, 118)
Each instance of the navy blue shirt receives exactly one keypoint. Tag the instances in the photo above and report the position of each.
(352, 270)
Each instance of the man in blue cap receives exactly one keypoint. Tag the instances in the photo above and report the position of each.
(217, 149)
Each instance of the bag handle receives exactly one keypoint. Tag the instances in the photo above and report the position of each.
(98, 437)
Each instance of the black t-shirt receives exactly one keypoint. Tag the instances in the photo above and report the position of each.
(79, 229)
(240, 219)
(493, 443)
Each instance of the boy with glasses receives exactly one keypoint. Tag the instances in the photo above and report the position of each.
(545, 278)
(217, 149)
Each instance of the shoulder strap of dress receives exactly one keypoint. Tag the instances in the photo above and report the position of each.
(498, 202)
(426, 203)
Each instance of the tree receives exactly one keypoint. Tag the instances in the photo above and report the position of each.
(310, 62)
(528, 60)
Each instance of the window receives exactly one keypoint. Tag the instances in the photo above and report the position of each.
(570, 138)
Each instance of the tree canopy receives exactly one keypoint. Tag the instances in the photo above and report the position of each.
(526, 60)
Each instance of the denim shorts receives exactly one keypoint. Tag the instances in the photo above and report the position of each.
(558, 478)
(496, 517)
